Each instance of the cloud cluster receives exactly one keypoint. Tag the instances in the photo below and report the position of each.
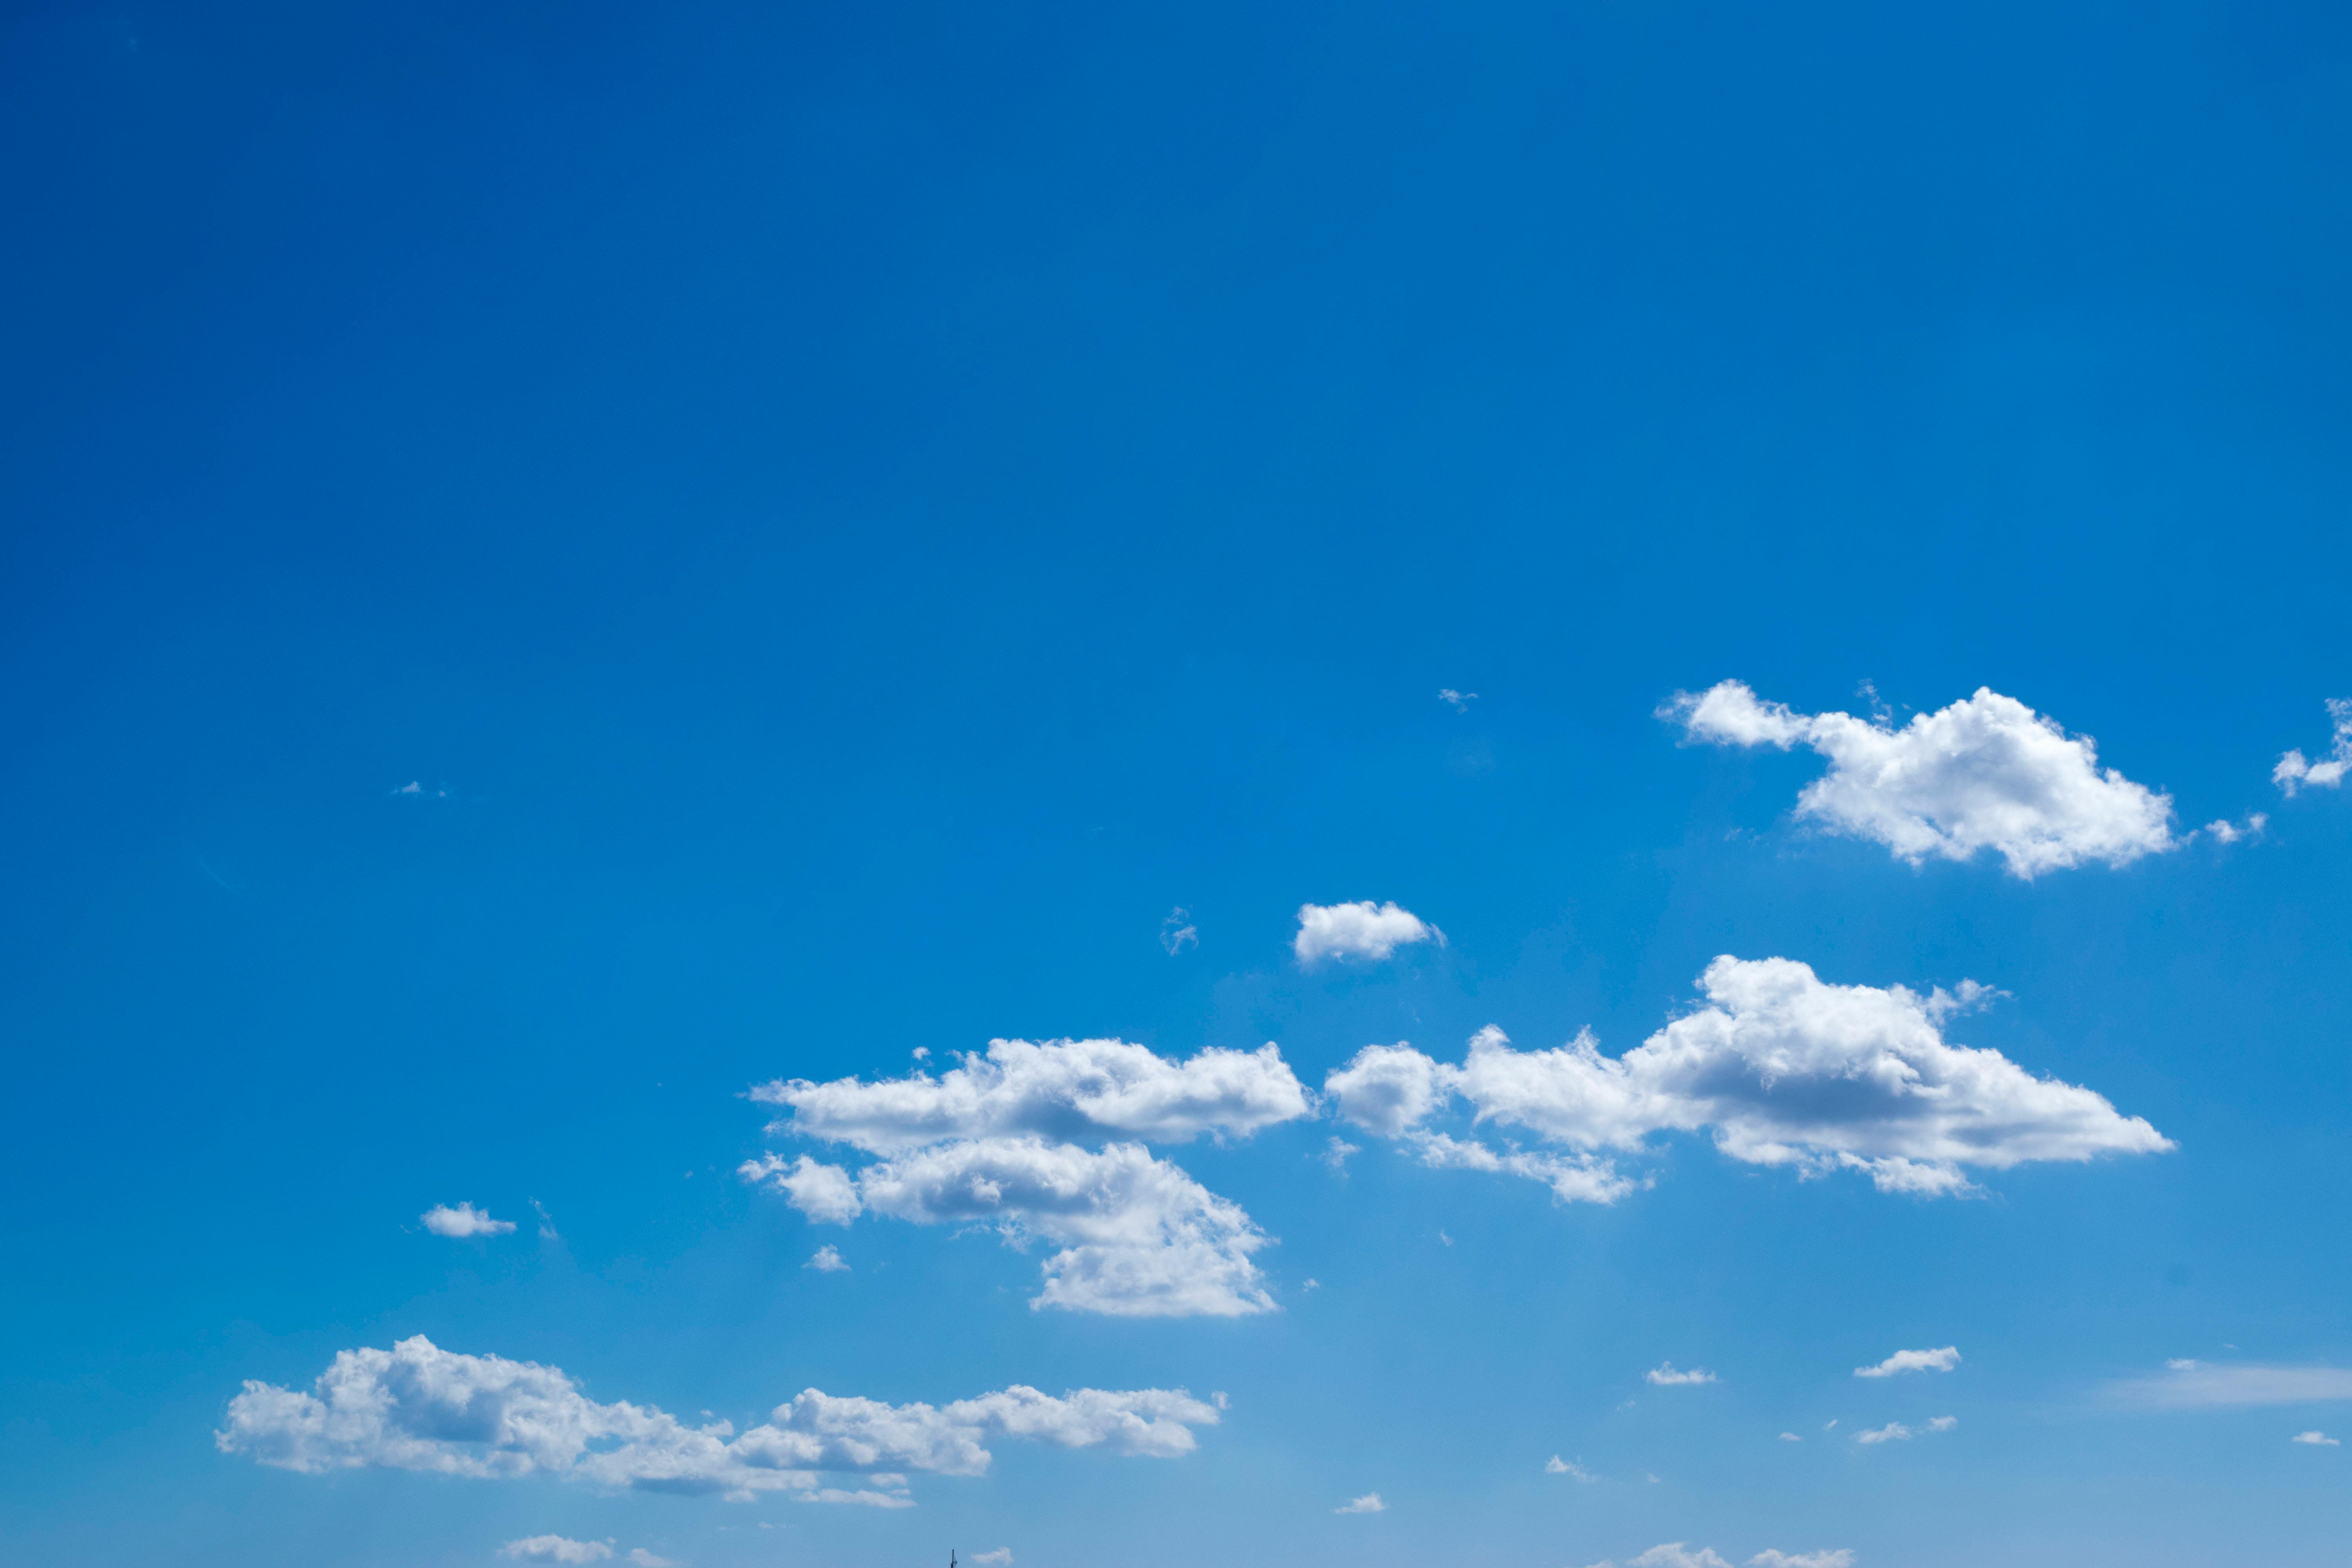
(1987, 773)
(2294, 772)
(463, 1221)
(1783, 1068)
(1002, 1140)
(1365, 930)
(418, 1407)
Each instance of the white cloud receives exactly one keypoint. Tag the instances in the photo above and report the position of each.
(1841, 1557)
(1335, 1154)
(1943, 1423)
(1138, 1237)
(1665, 1375)
(2189, 1385)
(1790, 1437)
(1893, 1432)
(1785, 1070)
(1368, 1503)
(2181, 1364)
(418, 1407)
(2317, 1439)
(1363, 929)
(555, 1548)
(1987, 773)
(2294, 772)
(826, 1193)
(1458, 700)
(1066, 1090)
(644, 1559)
(2226, 832)
(1901, 1361)
(1177, 933)
(1671, 1554)
(465, 1220)
(828, 1260)
(1003, 1555)
(863, 1497)
(1556, 1466)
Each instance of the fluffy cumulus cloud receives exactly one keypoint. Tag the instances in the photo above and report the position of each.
(1135, 1235)
(1901, 1361)
(1987, 773)
(1001, 1141)
(1781, 1068)
(555, 1548)
(2317, 1440)
(2296, 772)
(1671, 1554)
(418, 1407)
(1665, 1376)
(1068, 1090)
(1365, 930)
(1368, 1503)
(2192, 1385)
(462, 1221)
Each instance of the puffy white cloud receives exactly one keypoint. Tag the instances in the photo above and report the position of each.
(1943, 1423)
(1839, 1557)
(1066, 1090)
(465, 1220)
(1665, 1375)
(828, 1260)
(2224, 831)
(1671, 1554)
(1458, 700)
(1987, 773)
(644, 1559)
(1556, 1466)
(1363, 929)
(1785, 1070)
(2294, 772)
(826, 1193)
(418, 1407)
(1138, 1237)
(1368, 1503)
(2191, 1385)
(555, 1548)
(1790, 1437)
(1901, 1361)
(1003, 1555)
(2317, 1439)
(1893, 1432)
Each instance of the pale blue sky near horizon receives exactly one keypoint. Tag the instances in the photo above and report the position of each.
(850, 518)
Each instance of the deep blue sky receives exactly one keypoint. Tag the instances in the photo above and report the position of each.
(853, 515)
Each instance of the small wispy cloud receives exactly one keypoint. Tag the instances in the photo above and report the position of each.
(860, 1498)
(1901, 1361)
(1458, 700)
(1841, 1557)
(1556, 1466)
(827, 1261)
(1943, 1423)
(1368, 1503)
(644, 1559)
(555, 1548)
(996, 1559)
(2194, 1384)
(1335, 1154)
(546, 1222)
(414, 789)
(1893, 1432)
(1790, 1437)
(1665, 1375)
(1177, 933)
(2296, 772)
(462, 1221)
(2223, 831)
(2317, 1439)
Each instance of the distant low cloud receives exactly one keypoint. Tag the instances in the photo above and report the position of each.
(1671, 1554)
(1362, 930)
(1783, 1068)
(1003, 1555)
(1943, 1423)
(555, 1548)
(1893, 1432)
(2296, 772)
(1556, 1466)
(1901, 1361)
(2196, 1386)
(828, 1260)
(1789, 1438)
(1841, 1557)
(418, 1407)
(464, 1220)
(1458, 700)
(1665, 1376)
(1987, 773)
(2317, 1439)
(1368, 1503)
(644, 1559)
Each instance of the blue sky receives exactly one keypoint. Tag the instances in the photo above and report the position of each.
(864, 528)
